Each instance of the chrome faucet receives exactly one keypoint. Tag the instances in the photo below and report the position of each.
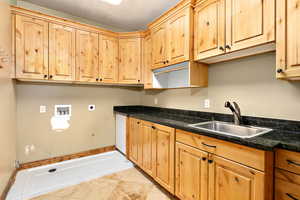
(236, 111)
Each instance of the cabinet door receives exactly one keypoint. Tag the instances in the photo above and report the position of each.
(147, 56)
(230, 180)
(179, 37)
(249, 23)
(61, 52)
(148, 148)
(108, 59)
(288, 40)
(31, 48)
(191, 173)
(209, 29)
(130, 60)
(165, 149)
(159, 46)
(87, 56)
(135, 141)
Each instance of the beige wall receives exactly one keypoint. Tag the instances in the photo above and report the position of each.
(7, 103)
(249, 81)
(35, 128)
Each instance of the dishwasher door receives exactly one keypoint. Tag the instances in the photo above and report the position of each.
(121, 132)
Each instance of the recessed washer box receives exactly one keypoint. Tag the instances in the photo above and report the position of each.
(63, 110)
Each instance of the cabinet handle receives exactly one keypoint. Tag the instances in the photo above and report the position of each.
(227, 47)
(211, 146)
(222, 48)
(293, 163)
(291, 196)
(279, 71)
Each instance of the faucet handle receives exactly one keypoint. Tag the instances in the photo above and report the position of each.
(237, 108)
(227, 104)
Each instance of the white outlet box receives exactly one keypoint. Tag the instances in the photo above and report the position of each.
(92, 107)
(206, 103)
(155, 101)
(43, 109)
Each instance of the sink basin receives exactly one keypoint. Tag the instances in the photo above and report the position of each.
(225, 128)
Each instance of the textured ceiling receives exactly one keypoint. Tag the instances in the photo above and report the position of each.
(130, 15)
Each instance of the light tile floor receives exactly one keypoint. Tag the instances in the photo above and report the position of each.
(126, 185)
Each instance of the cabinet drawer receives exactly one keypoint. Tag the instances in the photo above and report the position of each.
(286, 185)
(245, 155)
(288, 160)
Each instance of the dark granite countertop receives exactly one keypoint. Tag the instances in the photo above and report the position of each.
(285, 134)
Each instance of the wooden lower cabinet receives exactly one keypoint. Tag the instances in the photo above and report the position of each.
(148, 148)
(230, 180)
(287, 185)
(165, 146)
(135, 141)
(151, 147)
(191, 173)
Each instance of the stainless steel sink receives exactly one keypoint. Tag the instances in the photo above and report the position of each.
(231, 129)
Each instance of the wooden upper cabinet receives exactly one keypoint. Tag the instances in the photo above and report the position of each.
(87, 56)
(249, 23)
(191, 173)
(172, 36)
(130, 60)
(288, 40)
(159, 46)
(108, 59)
(165, 151)
(209, 29)
(230, 180)
(61, 52)
(147, 56)
(31, 48)
(179, 33)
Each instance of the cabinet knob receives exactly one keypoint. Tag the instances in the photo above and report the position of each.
(153, 127)
(227, 47)
(221, 48)
(45, 76)
(97, 79)
(204, 158)
(164, 62)
(279, 71)
(50, 76)
(138, 122)
(210, 161)
(139, 80)
(100, 79)
(167, 61)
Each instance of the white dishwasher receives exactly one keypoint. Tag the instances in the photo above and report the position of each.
(121, 132)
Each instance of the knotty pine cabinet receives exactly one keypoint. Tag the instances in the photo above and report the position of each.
(130, 62)
(172, 36)
(62, 40)
(147, 60)
(31, 40)
(87, 56)
(287, 175)
(151, 147)
(211, 169)
(288, 41)
(109, 59)
(228, 26)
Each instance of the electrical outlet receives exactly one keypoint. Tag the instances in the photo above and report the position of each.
(92, 107)
(155, 101)
(206, 103)
(43, 109)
